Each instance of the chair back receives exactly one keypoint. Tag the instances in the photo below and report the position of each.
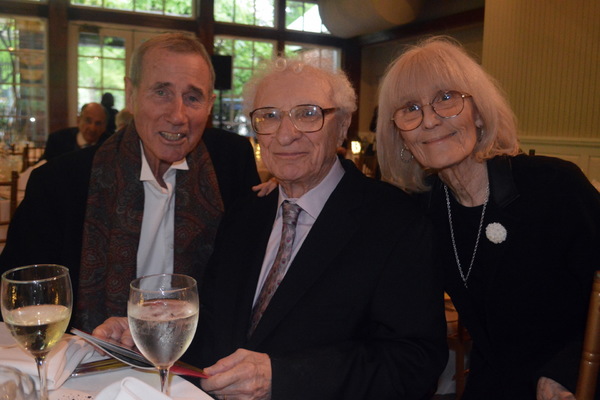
(13, 190)
(590, 358)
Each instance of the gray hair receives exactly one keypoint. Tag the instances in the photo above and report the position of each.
(342, 92)
(174, 42)
(441, 63)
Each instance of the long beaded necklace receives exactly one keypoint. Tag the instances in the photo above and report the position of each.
(462, 275)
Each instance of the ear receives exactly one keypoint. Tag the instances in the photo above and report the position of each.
(343, 132)
(129, 95)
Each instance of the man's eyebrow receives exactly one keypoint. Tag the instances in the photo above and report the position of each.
(161, 85)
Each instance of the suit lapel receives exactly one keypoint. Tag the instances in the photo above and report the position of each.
(328, 236)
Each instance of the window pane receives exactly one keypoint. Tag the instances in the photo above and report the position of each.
(104, 71)
(126, 5)
(114, 47)
(113, 72)
(246, 56)
(23, 115)
(304, 16)
(180, 8)
(247, 12)
(323, 56)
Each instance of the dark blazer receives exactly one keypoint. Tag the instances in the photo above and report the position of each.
(48, 224)
(64, 141)
(527, 300)
(359, 314)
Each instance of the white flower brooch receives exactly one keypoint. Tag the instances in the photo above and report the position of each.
(495, 232)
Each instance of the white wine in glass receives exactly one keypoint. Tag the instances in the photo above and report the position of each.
(36, 306)
(163, 315)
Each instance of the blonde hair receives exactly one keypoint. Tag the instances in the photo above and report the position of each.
(441, 63)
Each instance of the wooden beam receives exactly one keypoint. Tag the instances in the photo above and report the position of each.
(420, 28)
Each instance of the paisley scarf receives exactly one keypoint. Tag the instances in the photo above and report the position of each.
(113, 221)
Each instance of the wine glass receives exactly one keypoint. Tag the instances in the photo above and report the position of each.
(163, 314)
(36, 306)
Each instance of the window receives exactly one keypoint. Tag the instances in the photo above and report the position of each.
(304, 16)
(246, 56)
(23, 111)
(101, 68)
(322, 56)
(246, 12)
(178, 8)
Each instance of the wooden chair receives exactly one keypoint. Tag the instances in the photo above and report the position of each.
(460, 341)
(590, 358)
(13, 187)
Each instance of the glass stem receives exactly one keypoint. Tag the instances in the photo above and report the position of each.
(42, 368)
(164, 377)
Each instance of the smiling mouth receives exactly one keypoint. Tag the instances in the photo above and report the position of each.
(439, 139)
(171, 137)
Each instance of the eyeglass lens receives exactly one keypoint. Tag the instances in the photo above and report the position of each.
(446, 105)
(305, 117)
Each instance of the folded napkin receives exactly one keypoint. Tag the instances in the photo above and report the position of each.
(132, 389)
(61, 361)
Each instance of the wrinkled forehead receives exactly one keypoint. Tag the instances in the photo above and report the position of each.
(290, 88)
(421, 82)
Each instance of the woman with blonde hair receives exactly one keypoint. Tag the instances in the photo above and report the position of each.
(517, 236)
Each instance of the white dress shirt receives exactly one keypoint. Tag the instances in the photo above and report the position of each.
(312, 203)
(157, 239)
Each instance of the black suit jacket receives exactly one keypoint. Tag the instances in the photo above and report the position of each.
(360, 313)
(65, 141)
(48, 224)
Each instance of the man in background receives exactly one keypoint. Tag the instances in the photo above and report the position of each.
(90, 130)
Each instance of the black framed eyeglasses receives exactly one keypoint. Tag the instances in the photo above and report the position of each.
(305, 117)
(447, 104)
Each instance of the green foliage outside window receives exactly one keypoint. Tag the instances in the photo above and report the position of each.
(22, 81)
(182, 8)
(100, 68)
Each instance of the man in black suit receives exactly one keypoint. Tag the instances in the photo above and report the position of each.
(348, 305)
(90, 130)
(149, 199)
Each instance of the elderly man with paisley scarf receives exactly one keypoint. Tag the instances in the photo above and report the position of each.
(148, 200)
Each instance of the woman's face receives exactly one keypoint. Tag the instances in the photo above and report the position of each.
(440, 143)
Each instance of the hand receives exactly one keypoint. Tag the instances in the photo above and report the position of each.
(244, 375)
(266, 187)
(115, 329)
(548, 389)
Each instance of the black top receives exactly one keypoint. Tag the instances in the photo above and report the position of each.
(527, 297)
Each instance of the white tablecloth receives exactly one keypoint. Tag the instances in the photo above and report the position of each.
(87, 386)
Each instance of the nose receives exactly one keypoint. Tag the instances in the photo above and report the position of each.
(430, 117)
(287, 132)
(176, 112)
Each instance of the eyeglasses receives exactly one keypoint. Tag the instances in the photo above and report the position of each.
(305, 117)
(446, 104)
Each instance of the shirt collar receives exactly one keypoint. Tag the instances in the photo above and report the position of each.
(313, 201)
(146, 173)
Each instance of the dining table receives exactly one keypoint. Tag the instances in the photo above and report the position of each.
(105, 385)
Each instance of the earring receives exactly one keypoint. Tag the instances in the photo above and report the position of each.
(402, 157)
(480, 133)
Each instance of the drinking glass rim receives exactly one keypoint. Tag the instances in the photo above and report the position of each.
(193, 283)
(65, 272)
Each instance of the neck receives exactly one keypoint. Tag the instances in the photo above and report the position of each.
(468, 181)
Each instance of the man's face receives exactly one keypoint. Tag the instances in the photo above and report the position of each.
(297, 159)
(92, 122)
(170, 106)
